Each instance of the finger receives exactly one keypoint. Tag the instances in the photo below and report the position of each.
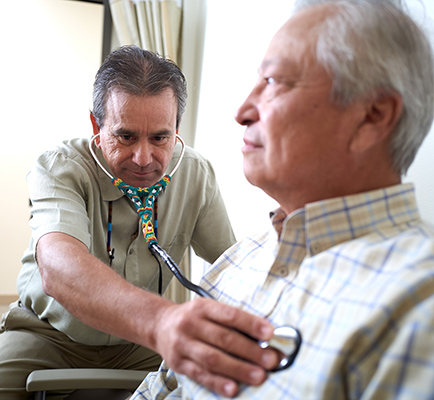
(237, 344)
(230, 329)
(218, 362)
(254, 326)
(211, 360)
(225, 383)
(218, 384)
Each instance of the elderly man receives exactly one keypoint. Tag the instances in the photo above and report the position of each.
(84, 305)
(342, 103)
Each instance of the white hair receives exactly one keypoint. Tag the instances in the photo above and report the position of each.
(372, 46)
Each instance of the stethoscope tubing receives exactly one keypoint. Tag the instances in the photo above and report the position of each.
(290, 334)
(157, 250)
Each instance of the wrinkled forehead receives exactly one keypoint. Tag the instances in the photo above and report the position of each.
(295, 42)
(303, 26)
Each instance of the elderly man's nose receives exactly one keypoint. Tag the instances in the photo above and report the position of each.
(247, 113)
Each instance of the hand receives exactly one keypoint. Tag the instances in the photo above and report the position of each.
(206, 340)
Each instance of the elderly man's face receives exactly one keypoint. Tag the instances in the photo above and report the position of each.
(296, 141)
(138, 136)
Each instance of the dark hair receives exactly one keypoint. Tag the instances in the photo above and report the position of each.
(139, 72)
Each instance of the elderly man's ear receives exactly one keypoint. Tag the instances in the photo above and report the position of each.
(381, 117)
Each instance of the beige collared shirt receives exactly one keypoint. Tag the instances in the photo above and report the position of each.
(70, 194)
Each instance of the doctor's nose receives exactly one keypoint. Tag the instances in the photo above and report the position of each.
(142, 154)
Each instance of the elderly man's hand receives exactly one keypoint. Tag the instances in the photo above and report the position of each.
(202, 339)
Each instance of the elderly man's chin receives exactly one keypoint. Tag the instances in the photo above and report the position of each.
(253, 171)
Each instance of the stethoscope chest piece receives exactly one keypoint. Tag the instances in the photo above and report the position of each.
(286, 340)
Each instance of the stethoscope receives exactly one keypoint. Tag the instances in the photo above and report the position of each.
(286, 339)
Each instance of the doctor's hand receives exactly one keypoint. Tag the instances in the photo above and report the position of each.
(204, 340)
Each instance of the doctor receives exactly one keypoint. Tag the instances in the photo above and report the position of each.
(82, 304)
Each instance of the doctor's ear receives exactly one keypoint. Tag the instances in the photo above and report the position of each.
(381, 116)
(95, 125)
(96, 128)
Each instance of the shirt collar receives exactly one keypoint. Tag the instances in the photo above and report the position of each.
(109, 192)
(334, 221)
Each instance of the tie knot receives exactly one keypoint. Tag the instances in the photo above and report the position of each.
(144, 211)
(132, 191)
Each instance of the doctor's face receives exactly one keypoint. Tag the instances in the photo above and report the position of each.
(139, 136)
(295, 139)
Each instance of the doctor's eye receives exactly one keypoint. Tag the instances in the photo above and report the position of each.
(159, 140)
(270, 80)
(125, 137)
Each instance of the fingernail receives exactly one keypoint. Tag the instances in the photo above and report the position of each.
(267, 331)
(269, 359)
(230, 389)
(257, 376)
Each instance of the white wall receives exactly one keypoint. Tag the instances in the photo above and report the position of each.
(51, 50)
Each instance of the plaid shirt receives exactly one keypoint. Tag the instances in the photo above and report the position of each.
(356, 276)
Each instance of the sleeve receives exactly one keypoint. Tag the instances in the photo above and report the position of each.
(57, 190)
(213, 233)
(405, 370)
(159, 385)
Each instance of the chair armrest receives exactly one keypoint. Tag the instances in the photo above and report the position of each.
(84, 378)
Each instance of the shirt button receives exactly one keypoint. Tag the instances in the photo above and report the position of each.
(315, 248)
(283, 271)
(131, 251)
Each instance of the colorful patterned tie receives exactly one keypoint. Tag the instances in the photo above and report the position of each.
(144, 210)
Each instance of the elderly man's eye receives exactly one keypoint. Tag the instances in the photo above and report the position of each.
(270, 80)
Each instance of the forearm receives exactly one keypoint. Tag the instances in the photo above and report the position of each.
(94, 293)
